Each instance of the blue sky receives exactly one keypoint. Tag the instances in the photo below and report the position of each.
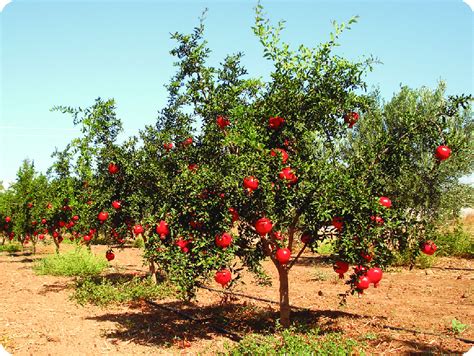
(71, 52)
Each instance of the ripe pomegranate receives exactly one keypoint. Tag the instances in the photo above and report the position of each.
(113, 168)
(223, 277)
(29, 205)
(55, 234)
(34, 223)
(138, 229)
(277, 235)
(375, 275)
(109, 255)
(168, 146)
(338, 223)
(250, 183)
(283, 255)
(87, 238)
(62, 224)
(224, 240)
(340, 267)
(188, 142)
(363, 283)
(442, 152)
(103, 215)
(193, 167)
(197, 225)
(377, 219)
(366, 256)
(428, 247)
(351, 118)
(8, 219)
(75, 217)
(162, 229)
(41, 236)
(222, 122)
(116, 204)
(263, 226)
(275, 122)
(280, 151)
(306, 238)
(386, 202)
(43, 221)
(49, 206)
(183, 244)
(235, 214)
(288, 175)
(360, 269)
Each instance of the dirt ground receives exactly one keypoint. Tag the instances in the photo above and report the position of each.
(38, 318)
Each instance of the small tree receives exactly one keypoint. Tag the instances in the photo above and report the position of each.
(284, 160)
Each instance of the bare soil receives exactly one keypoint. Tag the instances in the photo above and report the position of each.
(411, 311)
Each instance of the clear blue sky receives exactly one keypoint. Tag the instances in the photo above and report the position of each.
(70, 52)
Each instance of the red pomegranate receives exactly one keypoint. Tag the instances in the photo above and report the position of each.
(162, 229)
(442, 152)
(250, 183)
(263, 226)
(109, 255)
(375, 275)
(428, 247)
(113, 168)
(103, 215)
(338, 223)
(116, 204)
(275, 122)
(283, 255)
(222, 122)
(280, 151)
(288, 175)
(138, 229)
(363, 283)
(224, 240)
(235, 214)
(351, 118)
(341, 267)
(386, 202)
(223, 277)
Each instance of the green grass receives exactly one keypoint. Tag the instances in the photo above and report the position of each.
(79, 262)
(457, 327)
(290, 342)
(10, 248)
(457, 242)
(139, 242)
(103, 291)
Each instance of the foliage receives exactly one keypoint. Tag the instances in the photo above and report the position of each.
(455, 241)
(457, 327)
(10, 248)
(290, 342)
(104, 291)
(78, 262)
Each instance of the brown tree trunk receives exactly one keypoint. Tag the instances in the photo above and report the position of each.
(152, 270)
(34, 248)
(284, 297)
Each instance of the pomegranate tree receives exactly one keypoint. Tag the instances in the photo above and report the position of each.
(307, 156)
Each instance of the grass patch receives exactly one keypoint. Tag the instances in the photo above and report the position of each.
(10, 248)
(79, 262)
(103, 291)
(290, 342)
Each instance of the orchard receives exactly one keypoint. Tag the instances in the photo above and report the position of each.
(238, 170)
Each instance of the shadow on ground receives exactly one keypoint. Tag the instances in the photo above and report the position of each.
(146, 324)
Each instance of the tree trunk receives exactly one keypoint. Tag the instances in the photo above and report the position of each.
(34, 248)
(152, 270)
(57, 246)
(284, 297)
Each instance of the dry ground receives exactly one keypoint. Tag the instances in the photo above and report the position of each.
(38, 318)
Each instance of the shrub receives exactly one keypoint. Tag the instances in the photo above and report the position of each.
(290, 342)
(139, 242)
(457, 242)
(10, 248)
(78, 262)
(103, 291)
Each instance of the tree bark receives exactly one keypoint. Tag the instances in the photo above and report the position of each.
(284, 297)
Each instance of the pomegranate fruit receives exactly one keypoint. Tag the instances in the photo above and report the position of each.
(428, 247)
(275, 122)
(263, 226)
(351, 118)
(386, 202)
(224, 240)
(162, 229)
(340, 267)
(250, 183)
(280, 151)
(113, 168)
(223, 277)
(109, 255)
(442, 152)
(283, 255)
(103, 215)
(375, 275)
(222, 122)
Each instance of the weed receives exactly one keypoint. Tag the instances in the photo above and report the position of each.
(79, 262)
(10, 248)
(103, 291)
(457, 327)
(289, 342)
